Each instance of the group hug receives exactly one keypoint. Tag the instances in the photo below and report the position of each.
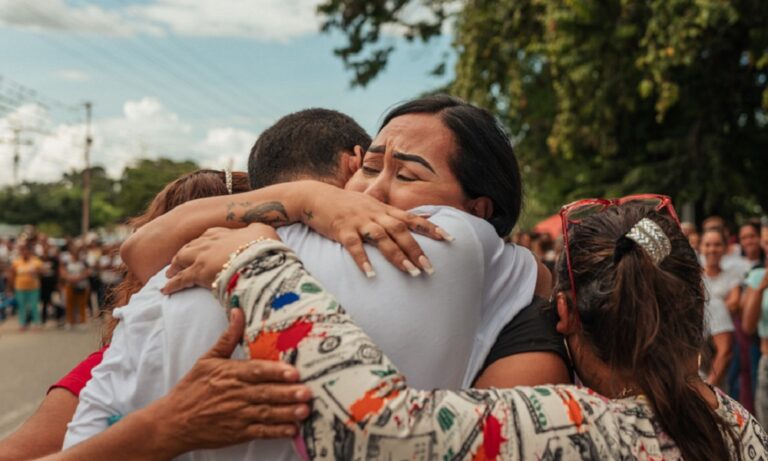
(351, 298)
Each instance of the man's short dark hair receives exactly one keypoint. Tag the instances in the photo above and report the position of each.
(304, 143)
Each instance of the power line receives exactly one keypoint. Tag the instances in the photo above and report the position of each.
(108, 62)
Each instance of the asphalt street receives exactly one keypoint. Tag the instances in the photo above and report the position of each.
(31, 361)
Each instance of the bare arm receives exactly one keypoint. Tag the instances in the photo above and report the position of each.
(219, 402)
(723, 344)
(525, 369)
(732, 300)
(349, 218)
(43, 432)
(752, 304)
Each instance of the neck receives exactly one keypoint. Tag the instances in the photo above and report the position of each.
(712, 269)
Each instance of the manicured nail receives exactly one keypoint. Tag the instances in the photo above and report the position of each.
(445, 235)
(413, 270)
(426, 264)
(369, 272)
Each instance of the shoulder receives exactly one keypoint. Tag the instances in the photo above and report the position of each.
(754, 276)
(531, 330)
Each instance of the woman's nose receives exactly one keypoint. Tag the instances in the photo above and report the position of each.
(379, 189)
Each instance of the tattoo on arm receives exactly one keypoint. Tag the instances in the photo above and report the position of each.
(272, 213)
(309, 215)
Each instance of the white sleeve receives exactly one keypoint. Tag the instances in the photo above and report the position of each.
(510, 283)
(128, 377)
(716, 317)
(98, 399)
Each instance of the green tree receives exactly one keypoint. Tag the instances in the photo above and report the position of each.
(57, 206)
(141, 182)
(604, 97)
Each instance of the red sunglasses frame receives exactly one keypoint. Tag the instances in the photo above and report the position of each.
(664, 203)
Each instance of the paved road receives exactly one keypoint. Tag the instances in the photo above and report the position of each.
(31, 361)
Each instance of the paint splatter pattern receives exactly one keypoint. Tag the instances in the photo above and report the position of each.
(364, 410)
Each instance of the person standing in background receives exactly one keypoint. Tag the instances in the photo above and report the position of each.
(755, 318)
(109, 275)
(75, 277)
(49, 282)
(723, 299)
(25, 280)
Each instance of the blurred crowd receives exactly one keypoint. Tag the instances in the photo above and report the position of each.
(59, 281)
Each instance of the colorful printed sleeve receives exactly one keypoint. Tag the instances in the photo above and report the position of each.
(363, 408)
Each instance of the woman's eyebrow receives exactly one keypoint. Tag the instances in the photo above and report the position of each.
(380, 149)
(413, 158)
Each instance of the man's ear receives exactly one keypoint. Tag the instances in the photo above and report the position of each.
(482, 207)
(350, 161)
(356, 159)
(567, 317)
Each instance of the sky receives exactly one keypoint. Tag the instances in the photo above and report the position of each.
(182, 79)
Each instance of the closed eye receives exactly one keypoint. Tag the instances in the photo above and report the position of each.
(368, 171)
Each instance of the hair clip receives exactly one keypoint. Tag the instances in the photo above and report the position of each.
(651, 237)
(228, 180)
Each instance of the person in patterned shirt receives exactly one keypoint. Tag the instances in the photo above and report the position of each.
(630, 302)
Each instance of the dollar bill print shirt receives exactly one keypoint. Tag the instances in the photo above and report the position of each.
(363, 408)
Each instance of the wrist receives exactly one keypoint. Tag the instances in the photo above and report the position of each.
(160, 434)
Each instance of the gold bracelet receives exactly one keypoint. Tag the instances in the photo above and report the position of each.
(232, 256)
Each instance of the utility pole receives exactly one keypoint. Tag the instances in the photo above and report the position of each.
(17, 143)
(87, 172)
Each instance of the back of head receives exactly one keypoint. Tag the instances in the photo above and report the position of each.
(645, 318)
(191, 186)
(304, 144)
(485, 163)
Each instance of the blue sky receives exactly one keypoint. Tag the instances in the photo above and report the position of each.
(177, 78)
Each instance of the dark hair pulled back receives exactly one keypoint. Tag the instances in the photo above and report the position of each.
(647, 320)
(484, 162)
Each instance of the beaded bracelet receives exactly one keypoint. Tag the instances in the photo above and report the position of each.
(232, 256)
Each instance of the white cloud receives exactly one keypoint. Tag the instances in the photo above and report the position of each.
(73, 75)
(146, 129)
(58, 15)
(268, 20)
(277, 20)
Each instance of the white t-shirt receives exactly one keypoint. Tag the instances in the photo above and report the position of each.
(718, 319)
(437, 329)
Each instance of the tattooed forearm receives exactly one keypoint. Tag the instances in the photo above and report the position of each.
(272, 213)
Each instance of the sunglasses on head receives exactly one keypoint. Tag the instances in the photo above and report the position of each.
(574, 213)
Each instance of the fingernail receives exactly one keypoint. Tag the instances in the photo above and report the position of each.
(290, 432)
(445, 235)
(369, 272)
(301, 395)
(289, 375)
(426, 264)
(413, 270)
(300, 412)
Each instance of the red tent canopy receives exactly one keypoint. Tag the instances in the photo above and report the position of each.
(551, 226)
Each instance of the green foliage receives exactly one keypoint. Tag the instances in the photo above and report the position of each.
(141, 182)
(615, 96)
(56, 207)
